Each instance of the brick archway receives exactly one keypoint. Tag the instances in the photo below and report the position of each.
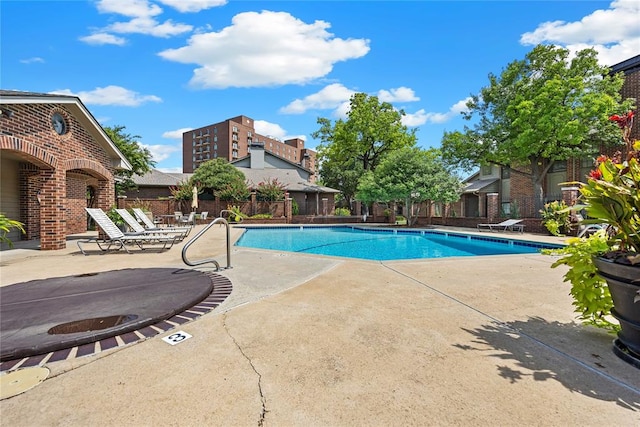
(33, 153)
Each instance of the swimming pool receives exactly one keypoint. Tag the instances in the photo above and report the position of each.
(381, 244)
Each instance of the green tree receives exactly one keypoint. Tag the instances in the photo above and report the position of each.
(411, 176)
(220, 178)
(138, 156)
(540, 110)
(353, 146)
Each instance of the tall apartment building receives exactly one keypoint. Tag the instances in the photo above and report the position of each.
(232, 139)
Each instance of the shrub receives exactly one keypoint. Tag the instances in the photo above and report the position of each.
(342, 212)
(295, 209)
(262, 216)
(556, 218)
(270, 191)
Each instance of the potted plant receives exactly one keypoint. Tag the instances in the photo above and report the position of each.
(6, 225)
(612, 197)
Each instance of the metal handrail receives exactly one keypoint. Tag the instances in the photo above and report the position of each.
(211, 260)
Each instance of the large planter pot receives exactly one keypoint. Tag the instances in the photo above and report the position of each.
(624, 286)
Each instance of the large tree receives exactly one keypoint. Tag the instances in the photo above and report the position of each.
(548, 107)
(412, 176)
(220, 178)
(358, 143)
(139, 157)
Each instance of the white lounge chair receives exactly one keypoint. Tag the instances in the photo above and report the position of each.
(585, 230)
(115, 236)
(150, 225)
(179, 233)
(508, 225)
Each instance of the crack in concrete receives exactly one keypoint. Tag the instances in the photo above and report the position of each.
(263, 399)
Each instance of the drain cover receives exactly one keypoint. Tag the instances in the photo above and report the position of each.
(95, 324)
(17, 382)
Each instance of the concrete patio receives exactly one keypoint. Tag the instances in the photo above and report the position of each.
(319, 341)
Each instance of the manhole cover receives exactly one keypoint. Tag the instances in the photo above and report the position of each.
(95, 324)
(17, 382)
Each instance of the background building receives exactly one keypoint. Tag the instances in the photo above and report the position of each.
(232, 139)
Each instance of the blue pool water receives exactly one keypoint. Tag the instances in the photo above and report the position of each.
(381, 244)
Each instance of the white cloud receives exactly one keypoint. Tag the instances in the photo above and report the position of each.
(274, 130)
(111, 95)
(401, 94)
(32, 60)
(329, 97)
(142, 20)
(269, 129)
(193, 5)
(421, 117)
(177, 169)
(265, 49)
(337, 97)
(613, 32)
(149, 26)
(130, 8)
(160, 152)
(175, 134)
(103, 38)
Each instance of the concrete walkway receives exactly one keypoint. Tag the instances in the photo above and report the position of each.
(318, 341)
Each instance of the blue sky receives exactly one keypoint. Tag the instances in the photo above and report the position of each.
(162, 67)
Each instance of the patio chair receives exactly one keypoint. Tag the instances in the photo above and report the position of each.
(190, 220)
(115, 236)
(203, 216)
(179, 233)
(585, 230)
(508, 225)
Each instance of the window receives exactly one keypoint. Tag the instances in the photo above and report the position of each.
(215, 138)
(249, 134)
(558, 166)
(235, 129)
(215, 130)
(194, 134)
(215, 146)
(486, 170)
(506, 173)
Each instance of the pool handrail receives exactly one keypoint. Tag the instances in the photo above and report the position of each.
(206, 260)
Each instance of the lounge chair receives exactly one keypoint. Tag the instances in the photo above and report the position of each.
(508, 225)
(150, 225)
(585, 230)
(115, 236)
(179, 233)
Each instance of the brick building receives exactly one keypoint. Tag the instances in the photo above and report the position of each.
(515, 191)
(55, 160)
(232, 139)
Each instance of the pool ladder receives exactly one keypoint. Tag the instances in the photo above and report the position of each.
(207, 260)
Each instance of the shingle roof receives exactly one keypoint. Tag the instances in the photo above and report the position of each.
(155, 178)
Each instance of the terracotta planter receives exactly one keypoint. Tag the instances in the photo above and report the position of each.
(624, 286)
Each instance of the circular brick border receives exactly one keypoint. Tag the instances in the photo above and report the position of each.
(222, 288)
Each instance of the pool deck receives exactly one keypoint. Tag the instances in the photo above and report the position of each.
(318, 341)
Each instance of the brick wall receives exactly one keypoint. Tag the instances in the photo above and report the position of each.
(55, 171)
